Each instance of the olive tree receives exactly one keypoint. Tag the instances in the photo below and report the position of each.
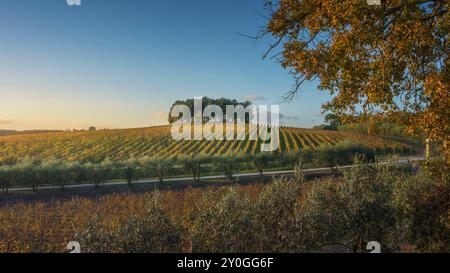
(6, 178)
(193, 164)
(155, 166)
(228, 165)
(131, 170)
(99, 173)
(261, 162)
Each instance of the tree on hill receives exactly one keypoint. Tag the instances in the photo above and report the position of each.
(222, 103)
(389, 60)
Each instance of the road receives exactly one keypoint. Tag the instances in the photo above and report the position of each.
(326, 170)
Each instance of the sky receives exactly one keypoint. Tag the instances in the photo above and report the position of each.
(121, 64)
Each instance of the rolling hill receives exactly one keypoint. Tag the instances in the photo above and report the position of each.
(123, 144)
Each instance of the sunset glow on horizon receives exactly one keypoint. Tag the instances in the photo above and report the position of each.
(112, 64)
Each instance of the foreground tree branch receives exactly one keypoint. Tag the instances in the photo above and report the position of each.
(386, 61)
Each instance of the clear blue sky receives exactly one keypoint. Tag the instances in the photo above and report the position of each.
(116, 63)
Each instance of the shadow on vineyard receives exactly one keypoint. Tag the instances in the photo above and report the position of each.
(403, 208)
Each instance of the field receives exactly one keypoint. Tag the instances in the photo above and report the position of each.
(124, 144)
(287, 215)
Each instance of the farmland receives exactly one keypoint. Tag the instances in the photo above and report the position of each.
(287, 215)
(174, 127)
(124, 144)
(95, 157)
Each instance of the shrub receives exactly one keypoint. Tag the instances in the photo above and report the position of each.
(225, 226)
(152, 231)
(278, 226)
(427, 206)
(155, 233)
(96, 238)
(357, 209)
(381, 202)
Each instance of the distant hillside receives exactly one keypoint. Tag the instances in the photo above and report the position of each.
(156, 141)
(6, 132)
(14, 132)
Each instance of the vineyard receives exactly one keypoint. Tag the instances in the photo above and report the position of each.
(124, 144)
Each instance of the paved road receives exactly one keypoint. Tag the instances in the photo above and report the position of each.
(401, 160)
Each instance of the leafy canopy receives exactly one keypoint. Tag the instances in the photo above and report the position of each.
(388, 60)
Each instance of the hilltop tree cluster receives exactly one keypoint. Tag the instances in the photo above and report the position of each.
(222, 103)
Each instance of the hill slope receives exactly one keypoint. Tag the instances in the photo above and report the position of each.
(157, 141)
